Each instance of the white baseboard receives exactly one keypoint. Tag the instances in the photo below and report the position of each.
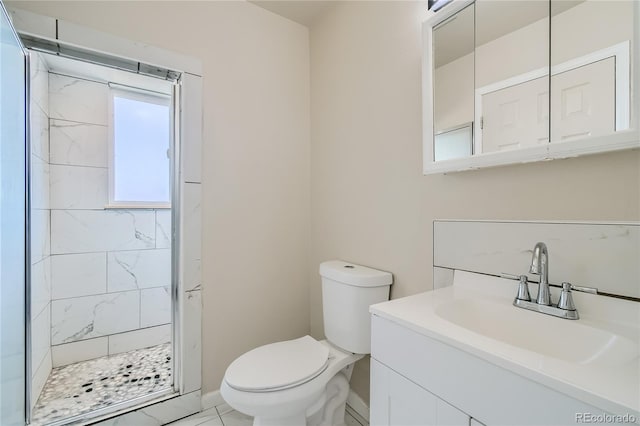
(211, 400)
(358, 405)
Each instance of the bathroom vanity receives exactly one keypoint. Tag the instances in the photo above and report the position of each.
(464, 355)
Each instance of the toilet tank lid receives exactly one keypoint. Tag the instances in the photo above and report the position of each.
(356, 275)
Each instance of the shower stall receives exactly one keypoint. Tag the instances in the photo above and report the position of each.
(92, 192)
(101, 236)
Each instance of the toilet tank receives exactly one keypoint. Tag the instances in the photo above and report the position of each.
(347, 292)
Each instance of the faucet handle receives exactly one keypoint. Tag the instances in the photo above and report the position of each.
(566, 299)
(509, 276)
(582, 289)
(523, 289)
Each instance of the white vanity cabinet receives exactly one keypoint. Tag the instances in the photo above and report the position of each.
(420, 380)
(396, 400)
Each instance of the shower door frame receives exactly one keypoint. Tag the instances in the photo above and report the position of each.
(27, 212)
(175, 188)
(184, 396)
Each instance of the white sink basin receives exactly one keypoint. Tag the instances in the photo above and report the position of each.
(595, 359)
(567, 340)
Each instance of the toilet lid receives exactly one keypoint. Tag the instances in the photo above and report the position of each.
(278, 366)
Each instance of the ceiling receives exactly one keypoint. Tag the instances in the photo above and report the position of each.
(304, 12)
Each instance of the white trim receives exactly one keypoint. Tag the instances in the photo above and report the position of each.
(32, 23)
(192, 127)
(79, 35)
(428, 133)
(512, 81)
(427, 77)
(141, 96)
(492, 159)
(72, 34)
(624, 139)
(358, 405)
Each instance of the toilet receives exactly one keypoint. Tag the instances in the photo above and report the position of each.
(305, 381)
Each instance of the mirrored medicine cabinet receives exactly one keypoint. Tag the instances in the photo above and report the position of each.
(513, 81)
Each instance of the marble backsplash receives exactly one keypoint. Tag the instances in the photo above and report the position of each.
(600, 255)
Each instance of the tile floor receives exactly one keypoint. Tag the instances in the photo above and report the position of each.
(224, 416)
(90, 385)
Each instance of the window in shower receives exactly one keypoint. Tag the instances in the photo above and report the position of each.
(139, 150)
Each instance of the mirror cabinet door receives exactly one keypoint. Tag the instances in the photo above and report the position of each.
(453, 76)
(591, 50)
(512, 74)
(530, 80)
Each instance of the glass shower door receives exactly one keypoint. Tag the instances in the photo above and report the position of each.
(12, 224)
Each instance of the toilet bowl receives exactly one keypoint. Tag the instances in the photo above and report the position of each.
(305, 381)
(282, 397)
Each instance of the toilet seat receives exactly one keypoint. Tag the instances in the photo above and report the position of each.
(292, 400)
(278, 366)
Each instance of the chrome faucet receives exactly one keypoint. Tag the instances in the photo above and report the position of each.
(540, 266)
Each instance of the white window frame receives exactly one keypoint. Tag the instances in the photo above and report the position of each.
(142, 96)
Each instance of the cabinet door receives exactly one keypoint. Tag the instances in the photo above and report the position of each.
(516, 117)
(448, 415)
(583, 101)
(397, 401)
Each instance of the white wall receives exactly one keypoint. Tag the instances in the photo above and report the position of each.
(372, 205)
(255, 186)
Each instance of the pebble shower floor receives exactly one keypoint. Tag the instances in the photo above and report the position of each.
(98, 383)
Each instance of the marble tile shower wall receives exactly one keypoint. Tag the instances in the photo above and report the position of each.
(110, 268)
(40, 225)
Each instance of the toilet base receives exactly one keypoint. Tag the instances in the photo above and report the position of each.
(327, 411)
(333, 409)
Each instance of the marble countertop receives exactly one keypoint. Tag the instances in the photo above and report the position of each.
(609, 380)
